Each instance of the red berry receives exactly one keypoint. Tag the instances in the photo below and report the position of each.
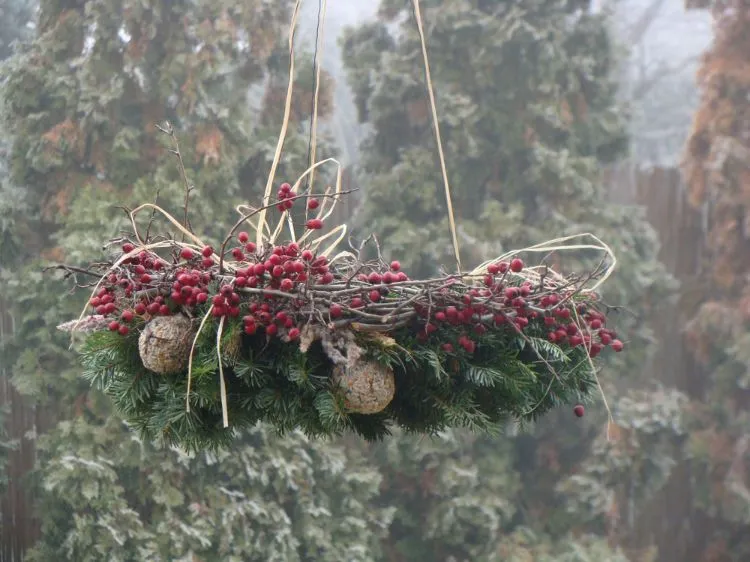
(287, 285)
(109, 308)
(127, 315)
(285, 188)
(250, 328)
(578, 410)
(440, 316)
(516, 265)
(127, 247)
(207, 251)
(114, 326)
(402, 276)
(207, 262)
(272, 330)
(314, 224)
(238, 254)
(493, 269)
(201, 298)
(313, 203)
(595, 324)
(243, 237)
(357, 302)
(307, 255)
(164, 310)
(140, 308)
(374, 295)
(395, 265)
(327, 278)
(617, 345)
(447, 347)
(335, 311)
(250, 247)
(293, 333)
(123, 331)
(374, 278)
(277, 271)
(186, 253)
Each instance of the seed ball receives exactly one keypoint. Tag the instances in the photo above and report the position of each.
(367, 386)
(165, 343)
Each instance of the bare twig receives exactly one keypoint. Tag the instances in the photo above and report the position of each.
(167, 129)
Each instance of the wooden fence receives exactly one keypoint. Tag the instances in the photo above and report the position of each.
(18, 529)
(670, 521)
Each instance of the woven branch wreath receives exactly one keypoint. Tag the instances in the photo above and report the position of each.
(192, 342)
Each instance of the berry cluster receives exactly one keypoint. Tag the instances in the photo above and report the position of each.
(279, 289)
(503, 301)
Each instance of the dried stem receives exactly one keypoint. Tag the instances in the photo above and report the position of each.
(167, 129)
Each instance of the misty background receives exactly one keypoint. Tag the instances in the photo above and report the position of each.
(622, 146)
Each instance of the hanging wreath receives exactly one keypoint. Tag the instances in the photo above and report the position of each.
(192, 342)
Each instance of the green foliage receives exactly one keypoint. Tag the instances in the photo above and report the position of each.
(465, 489)
(634, 461)
(508, 377)
(529, 119)
(526, 101)
(82, 101)
(15, 25)
(268, 498)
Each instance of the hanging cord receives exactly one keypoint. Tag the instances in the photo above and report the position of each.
(449, 203)
(311, 143)
(262, 224)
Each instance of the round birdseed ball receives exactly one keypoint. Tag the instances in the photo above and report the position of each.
(165, 343)
(367, 386)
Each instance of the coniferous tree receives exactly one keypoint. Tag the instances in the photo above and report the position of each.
(15, 29)
(718, 182)
(529, 120)
(83, 102)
